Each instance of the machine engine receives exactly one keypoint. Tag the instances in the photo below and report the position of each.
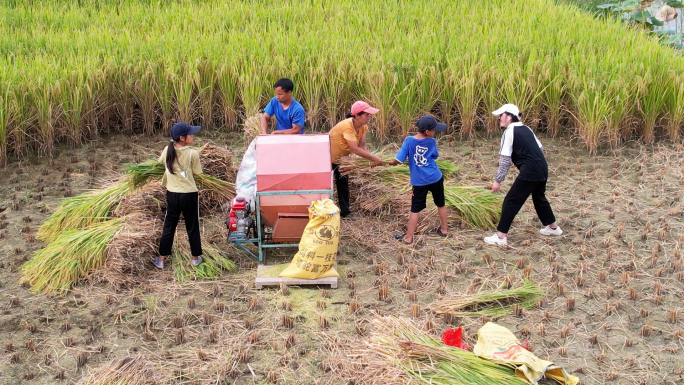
(239, 220)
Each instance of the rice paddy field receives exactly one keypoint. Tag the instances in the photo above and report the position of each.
(87, 87)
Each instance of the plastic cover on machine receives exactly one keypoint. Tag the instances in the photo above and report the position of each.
(246, 179)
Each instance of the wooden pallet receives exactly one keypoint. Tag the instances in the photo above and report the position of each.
(268, 276)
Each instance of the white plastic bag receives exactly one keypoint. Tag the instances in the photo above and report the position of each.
(246, 179)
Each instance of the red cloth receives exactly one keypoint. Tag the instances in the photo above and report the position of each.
(453, 337)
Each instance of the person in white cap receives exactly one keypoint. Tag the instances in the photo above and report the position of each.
(347, 137)
(521, 147)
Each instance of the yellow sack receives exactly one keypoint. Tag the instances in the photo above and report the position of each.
(498, 344)
(318, 247)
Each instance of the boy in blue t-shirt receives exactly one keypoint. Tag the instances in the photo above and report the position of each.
(290, 115)
(421, 152)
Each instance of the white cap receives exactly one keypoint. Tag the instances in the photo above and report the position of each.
(510, 108)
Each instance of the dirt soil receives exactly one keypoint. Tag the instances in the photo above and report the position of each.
(612, 312)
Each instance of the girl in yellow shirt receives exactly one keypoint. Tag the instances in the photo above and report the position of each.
(182, 164)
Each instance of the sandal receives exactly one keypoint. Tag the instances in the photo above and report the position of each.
(400, 237)
(440, 233)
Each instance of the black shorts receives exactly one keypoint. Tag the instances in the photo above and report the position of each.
(419, 197)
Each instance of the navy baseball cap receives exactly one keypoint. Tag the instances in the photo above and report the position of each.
(428, 123)
(182, 129)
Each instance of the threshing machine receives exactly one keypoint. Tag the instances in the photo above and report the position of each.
(291, 172)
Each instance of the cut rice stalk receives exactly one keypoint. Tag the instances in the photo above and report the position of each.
(82, 211)
(494, 303)
(73, 255)
(477, 206)
(215, 261)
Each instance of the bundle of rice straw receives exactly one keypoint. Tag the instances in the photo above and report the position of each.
(399, 343)
(387, 190)
(83, 211)
(72, 255)
(215, 260)
(126, 371)
(252, 127)
(495, 303)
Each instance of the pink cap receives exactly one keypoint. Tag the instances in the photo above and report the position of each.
(361, 106)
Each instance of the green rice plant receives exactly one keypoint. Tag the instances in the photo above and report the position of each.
(333, 89)
(592, 106)
(165, 93)
(125, 96)
(622, 101)
(426, 360)
(93, 101)
(496, 303)
(418, 95)
(228, 92)
(252, 87)
(311, 85)
(205, 82)
(183, 86)
(447, 95)
(380, 88)
(122, 61)
(41, 96)
(521, 88)
(7, 111)
(477, 206)
(83, 211)
(215, 262)
(144, 89)
(70, 257)
(25, 117)
(491, 96)
(468, 96)
(675, 105)
(652, 100)
(72, 105)
(552, 96)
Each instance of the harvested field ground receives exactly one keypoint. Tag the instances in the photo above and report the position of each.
(612, 312)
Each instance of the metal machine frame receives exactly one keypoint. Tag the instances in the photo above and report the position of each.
(260, 241)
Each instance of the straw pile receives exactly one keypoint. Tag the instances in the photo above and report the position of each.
(398, 347)
(387, 191)
(495, 303)
(126, 371)
(111, 234)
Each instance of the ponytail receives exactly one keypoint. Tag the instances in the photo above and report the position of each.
(170, 156)
(349, 115)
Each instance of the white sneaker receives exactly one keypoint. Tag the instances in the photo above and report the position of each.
(495, 240)
(549, 231)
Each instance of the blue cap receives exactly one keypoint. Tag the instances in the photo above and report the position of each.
(428, 123)
(182, 129)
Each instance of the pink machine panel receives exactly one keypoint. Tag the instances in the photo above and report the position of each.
(291, 163)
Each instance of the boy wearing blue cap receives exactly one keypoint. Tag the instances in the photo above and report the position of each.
(421, 152)
(182, 164)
